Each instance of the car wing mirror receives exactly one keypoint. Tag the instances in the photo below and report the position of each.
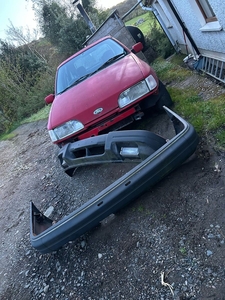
(49, 99)
(137, 48)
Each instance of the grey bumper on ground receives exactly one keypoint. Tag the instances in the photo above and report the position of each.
(160, 158)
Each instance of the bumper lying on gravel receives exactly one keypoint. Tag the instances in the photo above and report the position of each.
(116, 146)
(159, 157)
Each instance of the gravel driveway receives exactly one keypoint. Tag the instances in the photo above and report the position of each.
(168, 244)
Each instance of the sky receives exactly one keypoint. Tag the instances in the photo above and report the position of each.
(20, 13)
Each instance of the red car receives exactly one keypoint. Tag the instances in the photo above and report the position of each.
(101, 88)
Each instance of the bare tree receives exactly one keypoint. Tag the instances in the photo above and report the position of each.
(17, 36)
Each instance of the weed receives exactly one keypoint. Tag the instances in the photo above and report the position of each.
(183, 250)
(140, 208)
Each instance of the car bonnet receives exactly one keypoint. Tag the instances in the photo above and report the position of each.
(97, 95)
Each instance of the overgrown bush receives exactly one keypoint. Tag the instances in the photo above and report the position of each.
(158, 41)
(27, 69)
(33, 100)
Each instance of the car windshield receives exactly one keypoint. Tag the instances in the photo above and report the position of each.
(88, 63)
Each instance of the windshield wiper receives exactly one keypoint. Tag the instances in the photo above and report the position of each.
(75, 82)
(108, 62)
(111, 60)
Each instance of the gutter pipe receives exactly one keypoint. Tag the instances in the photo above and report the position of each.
(185, 30)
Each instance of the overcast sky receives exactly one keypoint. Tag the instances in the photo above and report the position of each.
(20, 13)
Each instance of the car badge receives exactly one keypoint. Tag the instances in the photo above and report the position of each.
(98, 111)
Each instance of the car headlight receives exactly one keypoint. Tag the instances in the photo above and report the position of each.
(137, 91)
(65, 130)
(151, 82)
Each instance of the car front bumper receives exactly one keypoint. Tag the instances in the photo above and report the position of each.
(116, 146)
(46, 236)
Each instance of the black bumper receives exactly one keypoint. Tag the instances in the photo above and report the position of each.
(46, 236)
(109, 147)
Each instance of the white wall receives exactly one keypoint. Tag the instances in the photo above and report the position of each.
(205, 40)
(210, 41)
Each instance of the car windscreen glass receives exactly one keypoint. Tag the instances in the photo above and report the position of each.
(87, 63)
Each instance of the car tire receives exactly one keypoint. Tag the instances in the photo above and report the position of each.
(164, 98)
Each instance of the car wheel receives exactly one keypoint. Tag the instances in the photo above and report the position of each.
(164, 98)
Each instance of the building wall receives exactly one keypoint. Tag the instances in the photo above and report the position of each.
(206, 41)
(173, 25)
(210, 43)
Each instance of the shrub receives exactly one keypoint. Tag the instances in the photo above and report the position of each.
(158, 41)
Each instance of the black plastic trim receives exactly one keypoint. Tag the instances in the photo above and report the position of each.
(106, 148)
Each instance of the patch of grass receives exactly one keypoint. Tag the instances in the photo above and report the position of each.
(144, 26)
(220, 137)
(205, 116)
(177, 59)
(169, 71)
(215, 110)
(162, 66)
(40, 115)
(7, 136)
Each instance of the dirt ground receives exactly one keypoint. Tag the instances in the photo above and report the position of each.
(168, 244)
